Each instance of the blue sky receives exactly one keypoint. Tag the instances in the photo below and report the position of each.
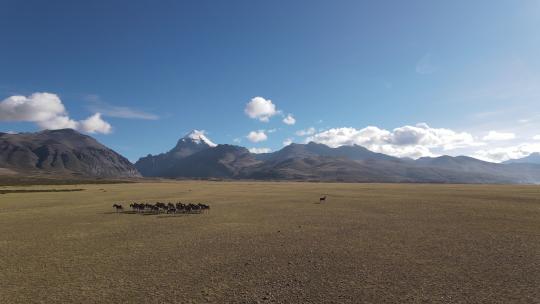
(407, 78)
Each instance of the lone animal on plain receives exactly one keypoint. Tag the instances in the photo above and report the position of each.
(118, 207)
(322, 199)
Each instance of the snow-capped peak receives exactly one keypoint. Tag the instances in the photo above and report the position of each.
(198, 137)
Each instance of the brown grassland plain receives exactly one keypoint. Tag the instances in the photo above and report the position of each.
(273, 243)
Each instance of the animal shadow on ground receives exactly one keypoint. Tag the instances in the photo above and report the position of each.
(162, 216)
(118, 212)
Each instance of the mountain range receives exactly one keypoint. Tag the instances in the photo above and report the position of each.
(195, 156)
(69, 153)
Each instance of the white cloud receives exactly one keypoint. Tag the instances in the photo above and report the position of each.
(536, 137)
(289, 120)
(237, 140)
(407, 141)
(505, 153)
(48, 112)
(287, 142)
(261, 109)
(257, 136)
(35, 108)
(94, 124)
(498, 136)
(59, 122)
(306, 132)
(425, 65)
(260, 150)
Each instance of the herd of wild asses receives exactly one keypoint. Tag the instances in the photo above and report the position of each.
(156, 208)
(168, 208)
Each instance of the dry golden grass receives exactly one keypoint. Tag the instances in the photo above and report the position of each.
(273, 242)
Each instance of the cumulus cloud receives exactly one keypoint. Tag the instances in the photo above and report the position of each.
(505, 153)
(289, 120)
(497, 136)
(94, 124)
(35, 108)
(306, 132)
(261, 109)
(260, 150)
(58, 122)
(536, 137)
(407, 141)
(48, 112)
(287, 142)
(257, 136)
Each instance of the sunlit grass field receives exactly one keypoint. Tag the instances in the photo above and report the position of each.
(272, 243)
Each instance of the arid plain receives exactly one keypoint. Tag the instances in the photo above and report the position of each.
(267, 242)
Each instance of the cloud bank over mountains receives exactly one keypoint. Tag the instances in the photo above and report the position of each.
(500, 154)
(407, 141)
(499, 136)
(421, 140)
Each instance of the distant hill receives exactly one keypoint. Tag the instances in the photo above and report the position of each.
(314, 149)
(61, 152)
(534, 158)
(197, 157)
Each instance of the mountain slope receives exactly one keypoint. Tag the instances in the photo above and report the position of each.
(534, 158)
(222, 161)
(314, 149)
(61, 152)
(162, 164)
(325, 168)
(482, 171)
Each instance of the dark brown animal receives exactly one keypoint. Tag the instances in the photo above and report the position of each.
(118, 207)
